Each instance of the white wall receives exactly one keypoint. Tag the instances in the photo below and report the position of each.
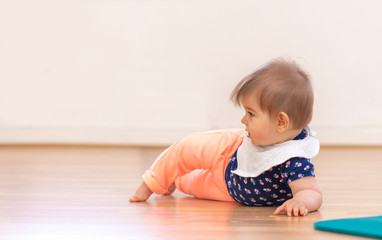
(150, 71)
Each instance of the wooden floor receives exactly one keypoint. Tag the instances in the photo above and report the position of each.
(58, 192)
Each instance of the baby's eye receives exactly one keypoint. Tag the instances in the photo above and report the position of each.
(250, 114)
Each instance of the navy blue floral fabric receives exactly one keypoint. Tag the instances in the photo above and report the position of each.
(271, 187)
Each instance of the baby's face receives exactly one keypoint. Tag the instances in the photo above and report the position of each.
(261, 129)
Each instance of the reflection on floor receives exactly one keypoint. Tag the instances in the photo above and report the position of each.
(72, 192)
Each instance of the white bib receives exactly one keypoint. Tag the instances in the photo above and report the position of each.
(253, 160)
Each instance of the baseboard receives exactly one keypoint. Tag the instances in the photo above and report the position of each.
(349, 135)
(97, 136)
(371, 136)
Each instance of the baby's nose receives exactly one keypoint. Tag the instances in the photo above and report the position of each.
(243, 121)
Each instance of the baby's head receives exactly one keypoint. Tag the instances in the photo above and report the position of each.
(280, 91)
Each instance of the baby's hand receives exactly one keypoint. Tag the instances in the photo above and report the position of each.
(307, 197)
(293, 207)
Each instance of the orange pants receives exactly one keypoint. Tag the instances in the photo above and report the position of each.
(196, 164)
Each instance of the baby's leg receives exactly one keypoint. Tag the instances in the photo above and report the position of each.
(142, 193)
(171, 189)
(203, 184)
(198, 151)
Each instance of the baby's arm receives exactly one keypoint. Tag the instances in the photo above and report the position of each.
(307, 197)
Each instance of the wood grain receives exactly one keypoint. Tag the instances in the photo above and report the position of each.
(82, 192)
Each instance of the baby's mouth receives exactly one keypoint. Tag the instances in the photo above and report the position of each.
(248, 135)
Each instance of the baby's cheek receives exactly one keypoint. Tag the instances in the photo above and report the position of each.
(259, 136)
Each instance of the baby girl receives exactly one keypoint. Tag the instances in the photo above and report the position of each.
(267, 164)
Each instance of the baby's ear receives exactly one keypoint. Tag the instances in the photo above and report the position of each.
(282, 122)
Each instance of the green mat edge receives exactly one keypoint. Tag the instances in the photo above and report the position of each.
(318, 226)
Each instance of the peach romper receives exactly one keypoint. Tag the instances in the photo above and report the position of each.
(196, 164)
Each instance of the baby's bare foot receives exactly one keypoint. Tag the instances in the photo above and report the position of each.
(170, 189)
(142, 194)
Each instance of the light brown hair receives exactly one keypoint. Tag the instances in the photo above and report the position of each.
(279, 86)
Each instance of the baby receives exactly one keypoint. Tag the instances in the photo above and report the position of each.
(267, 164)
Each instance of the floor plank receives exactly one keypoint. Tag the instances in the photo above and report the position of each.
(72, 192)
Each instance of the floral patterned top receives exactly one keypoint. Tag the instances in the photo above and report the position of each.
(271, 187)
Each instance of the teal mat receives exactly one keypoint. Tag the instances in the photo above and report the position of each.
(366, 226)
